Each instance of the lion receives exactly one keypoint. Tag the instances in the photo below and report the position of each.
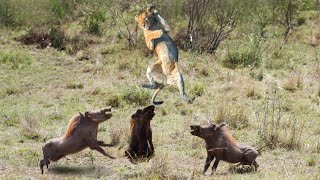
(165, 70)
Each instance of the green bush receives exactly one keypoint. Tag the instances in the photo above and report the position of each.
(94, 21)
(15, 59)
(7, 18)
(198, 89)
(135, 95)
(243, 56)
(59, 8)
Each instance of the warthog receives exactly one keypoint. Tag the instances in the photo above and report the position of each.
(81, 133)
(222, 146)
(141, 145)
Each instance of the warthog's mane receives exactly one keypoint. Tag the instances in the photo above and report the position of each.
(73, 124)
(227, 135)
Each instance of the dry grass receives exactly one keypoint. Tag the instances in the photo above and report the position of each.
(38, 98)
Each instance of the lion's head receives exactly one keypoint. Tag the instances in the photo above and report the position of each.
(146, 17)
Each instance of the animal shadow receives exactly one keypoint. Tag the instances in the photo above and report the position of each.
(241, 169)
(74, 170)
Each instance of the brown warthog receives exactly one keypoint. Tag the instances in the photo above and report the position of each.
(81, 133)
(141, 145)
(222, 146)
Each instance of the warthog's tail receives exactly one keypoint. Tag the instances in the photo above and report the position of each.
(259, 150)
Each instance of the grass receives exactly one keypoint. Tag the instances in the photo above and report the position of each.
(41, 89)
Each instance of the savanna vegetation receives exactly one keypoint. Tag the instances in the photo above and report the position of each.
(254, 65)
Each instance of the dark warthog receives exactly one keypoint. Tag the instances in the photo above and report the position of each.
(222, 146)
(141, 145)
(81, 133)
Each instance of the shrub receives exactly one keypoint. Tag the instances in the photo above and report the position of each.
(293, 83)
(311, 161)
(95, 21)
(16, 59)
(7, 18)
(241, 58)
(30, 128)
(60, 9)
(44, 38)
(197, 89)
(135, 95)
(234, 116)
(274, 130)
(244, 56)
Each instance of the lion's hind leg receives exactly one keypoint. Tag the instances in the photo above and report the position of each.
(152, 71)
(177, 79)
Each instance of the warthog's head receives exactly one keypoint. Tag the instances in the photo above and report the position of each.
(98, 116)
(145, 114)
(206, 131)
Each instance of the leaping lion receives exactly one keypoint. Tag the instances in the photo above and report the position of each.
(165, 70)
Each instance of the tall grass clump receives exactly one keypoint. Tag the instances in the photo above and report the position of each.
(30, 127)
(243, 56)
(7, 17)
(136, 95)
(275, 130)
(60, 9)
(235, 116)
(94, 21)
(16, 59)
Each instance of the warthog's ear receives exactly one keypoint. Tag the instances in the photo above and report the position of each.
(81, 115)
(86, 114)
(220, 126)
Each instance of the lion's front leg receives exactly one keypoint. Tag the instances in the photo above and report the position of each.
(149, 37)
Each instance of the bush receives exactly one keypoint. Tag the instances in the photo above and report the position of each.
(135, 95)
(274, 130)
(244, 56)
(234, 116)
(7, 18)
(15, 59)
(44, 38)
(60, 8)
(197, 89)
(94, 22)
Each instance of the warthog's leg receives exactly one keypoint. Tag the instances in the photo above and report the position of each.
(44, 162)
(256, 165)
(95, 146)
(215, 166)
(208, 162)
(101, 143)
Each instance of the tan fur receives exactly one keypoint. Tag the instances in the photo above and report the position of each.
(228, 136)
(73, 123)
(165, 70)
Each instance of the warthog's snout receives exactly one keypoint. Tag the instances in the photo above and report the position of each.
(194, 129)
(107, 109)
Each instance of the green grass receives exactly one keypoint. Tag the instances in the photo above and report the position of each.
(41, 89)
